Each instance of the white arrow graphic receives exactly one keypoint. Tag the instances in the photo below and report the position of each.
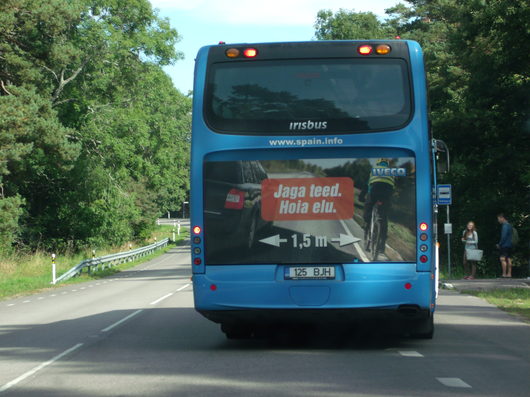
(345, 239)
(274, 240)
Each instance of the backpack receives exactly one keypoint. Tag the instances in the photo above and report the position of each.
(515, 237)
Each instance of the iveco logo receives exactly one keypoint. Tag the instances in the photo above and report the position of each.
(389, 172)
(308, 125)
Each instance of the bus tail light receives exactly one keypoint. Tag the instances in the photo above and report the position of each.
(235, 199)
(424, 227)
(424, 259)
(365, 49)
(232, 53)
(250, 52)
(383, 49)
(197, 230)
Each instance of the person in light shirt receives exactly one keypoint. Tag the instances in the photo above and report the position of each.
(470, 239)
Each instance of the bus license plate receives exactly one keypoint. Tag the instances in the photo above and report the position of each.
(310, 273)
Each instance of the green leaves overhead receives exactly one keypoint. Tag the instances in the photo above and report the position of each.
(93, 135)
(346, 25)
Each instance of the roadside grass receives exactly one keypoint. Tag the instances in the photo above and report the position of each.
(511, 300)
(26, 274)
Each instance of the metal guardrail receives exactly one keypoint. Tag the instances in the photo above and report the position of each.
(93, 264)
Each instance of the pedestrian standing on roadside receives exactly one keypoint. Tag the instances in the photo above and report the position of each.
(470, 240)
(505, 246)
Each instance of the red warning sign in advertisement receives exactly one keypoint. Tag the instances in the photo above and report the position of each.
(306, 199)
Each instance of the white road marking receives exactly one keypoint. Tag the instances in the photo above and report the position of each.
(38, 368)
(26, 302)
(410, 353)
(183, 287)
(168, 295)
(453, 382)
(11, 304)
(161, 299)
(41, 298)
(121, 321)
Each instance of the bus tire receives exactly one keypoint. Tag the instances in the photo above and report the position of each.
(236, 331)
(423, 329)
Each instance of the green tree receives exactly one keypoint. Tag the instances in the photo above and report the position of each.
(350, 25)
(476, 55)
(94, 137)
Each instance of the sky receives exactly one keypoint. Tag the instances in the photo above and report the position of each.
(207, 22)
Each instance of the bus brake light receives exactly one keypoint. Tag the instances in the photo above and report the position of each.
(424, 227)
(197, 230)
(250, 52)
(365, 49)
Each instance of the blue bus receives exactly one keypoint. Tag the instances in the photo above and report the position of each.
(312, 179)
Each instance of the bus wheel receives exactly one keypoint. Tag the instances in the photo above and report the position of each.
(236, 331)
(423, 329)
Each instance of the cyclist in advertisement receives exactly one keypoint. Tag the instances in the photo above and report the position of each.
(379, 191)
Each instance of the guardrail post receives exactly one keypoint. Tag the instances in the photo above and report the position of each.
(54, 270)
(93, 261)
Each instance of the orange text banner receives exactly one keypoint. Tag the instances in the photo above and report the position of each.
(307, 199)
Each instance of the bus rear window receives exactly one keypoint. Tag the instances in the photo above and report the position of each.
(307, 96)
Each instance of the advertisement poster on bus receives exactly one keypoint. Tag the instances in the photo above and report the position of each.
(310, 211)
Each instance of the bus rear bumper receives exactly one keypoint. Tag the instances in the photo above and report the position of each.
(405, 313)
(360, 294)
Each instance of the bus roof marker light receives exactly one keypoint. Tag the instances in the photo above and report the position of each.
(365, 49)
(383, 49)
(232, 53)
(250, 52)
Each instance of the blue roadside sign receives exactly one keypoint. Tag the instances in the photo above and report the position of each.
(444, 196)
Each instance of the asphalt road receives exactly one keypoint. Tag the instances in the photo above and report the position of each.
(136, 334)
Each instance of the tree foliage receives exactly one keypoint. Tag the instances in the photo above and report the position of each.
(478, 70)
(345, 25)
(93, 135)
